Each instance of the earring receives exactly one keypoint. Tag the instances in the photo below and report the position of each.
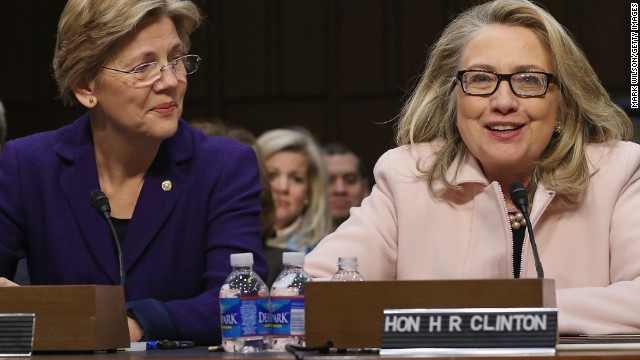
(558, 128)
(90, 100)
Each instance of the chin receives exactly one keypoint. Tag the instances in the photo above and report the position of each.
(165, 131)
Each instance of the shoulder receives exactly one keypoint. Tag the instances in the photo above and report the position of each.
(620, 153)
(42, 140)
(191, 143)
(615, 161)
(44, 144)
(216, 156)
(214, 145)
(405, 158)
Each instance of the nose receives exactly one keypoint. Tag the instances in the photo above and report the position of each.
(504, 100)
(280, 184)
(168, 76)
(338, 185)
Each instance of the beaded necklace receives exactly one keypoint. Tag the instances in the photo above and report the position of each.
(517, 220)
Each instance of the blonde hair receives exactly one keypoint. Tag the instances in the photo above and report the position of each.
(316, 218)
(90, 31)
(586, 111)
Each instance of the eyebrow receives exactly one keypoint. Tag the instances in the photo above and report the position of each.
(518, 68)
(150, 53)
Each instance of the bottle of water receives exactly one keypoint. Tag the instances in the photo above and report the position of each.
(244, 308)
(287, 303)
(347, 270)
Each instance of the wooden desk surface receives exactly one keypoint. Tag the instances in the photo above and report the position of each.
(203, 353)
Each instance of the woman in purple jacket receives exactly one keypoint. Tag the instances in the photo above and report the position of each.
(181, 202)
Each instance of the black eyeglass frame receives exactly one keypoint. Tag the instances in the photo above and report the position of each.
(550, 79)
(172, 64)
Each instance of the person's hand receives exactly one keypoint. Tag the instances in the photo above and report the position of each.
(135, 331)
(7, 282)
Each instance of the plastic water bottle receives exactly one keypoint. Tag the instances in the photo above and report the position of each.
(244, 308)
(347, 270)
(287, 303)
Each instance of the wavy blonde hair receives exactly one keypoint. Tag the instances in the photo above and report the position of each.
(586, 111)
(316, 218)
(90, 32)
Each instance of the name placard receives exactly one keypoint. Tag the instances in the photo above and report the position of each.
(469, 331)
(16, 334)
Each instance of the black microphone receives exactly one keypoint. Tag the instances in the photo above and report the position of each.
(520, 199)
(101, 204)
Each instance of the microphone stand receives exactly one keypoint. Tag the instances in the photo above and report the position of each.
(534, 247)
(520, 199)
(101, 204)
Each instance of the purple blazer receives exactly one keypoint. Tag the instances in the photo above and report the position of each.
(177, 246)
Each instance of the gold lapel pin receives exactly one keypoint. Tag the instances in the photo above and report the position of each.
(166, 185)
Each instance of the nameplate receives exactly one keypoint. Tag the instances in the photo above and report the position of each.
(16, 334)
(469, 331)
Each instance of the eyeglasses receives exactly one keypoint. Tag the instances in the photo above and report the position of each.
(522, 83)
(146, 74)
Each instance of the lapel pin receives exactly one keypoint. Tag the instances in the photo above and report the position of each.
(166, 185)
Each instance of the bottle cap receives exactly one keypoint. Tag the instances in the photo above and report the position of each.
(352, 261)
(293, 258)
(242, 259)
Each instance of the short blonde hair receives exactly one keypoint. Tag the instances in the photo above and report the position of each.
(586, 111)
(90, 31)
(316, 219)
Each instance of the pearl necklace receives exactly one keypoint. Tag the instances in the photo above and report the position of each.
(517, 220)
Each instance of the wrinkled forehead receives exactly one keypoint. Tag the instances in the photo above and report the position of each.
(506, 48)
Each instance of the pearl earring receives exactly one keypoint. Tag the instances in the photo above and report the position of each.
(558, 128)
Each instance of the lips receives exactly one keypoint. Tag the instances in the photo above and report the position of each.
(281, 202)
(164, 108)
(339, 202)
(504, 127)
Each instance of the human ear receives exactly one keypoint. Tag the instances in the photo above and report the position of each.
(84, 92)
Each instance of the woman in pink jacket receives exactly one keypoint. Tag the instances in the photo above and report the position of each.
(507, 96)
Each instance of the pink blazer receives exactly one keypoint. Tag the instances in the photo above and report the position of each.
(592, 249)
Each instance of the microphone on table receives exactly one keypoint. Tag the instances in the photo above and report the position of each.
(520, 199)
(101, 204)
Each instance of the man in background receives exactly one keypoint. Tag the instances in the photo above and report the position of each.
(348, 180)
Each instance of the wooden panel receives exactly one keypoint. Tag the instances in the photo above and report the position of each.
(266, 115)
(416, 34)
(607, 43)
(28, 52)
(363, 53)
(303, 50)
(72, 317)
(368, 126)
(246, 49)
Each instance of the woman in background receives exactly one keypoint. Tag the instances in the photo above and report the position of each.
(298, 181)
(181, 202)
